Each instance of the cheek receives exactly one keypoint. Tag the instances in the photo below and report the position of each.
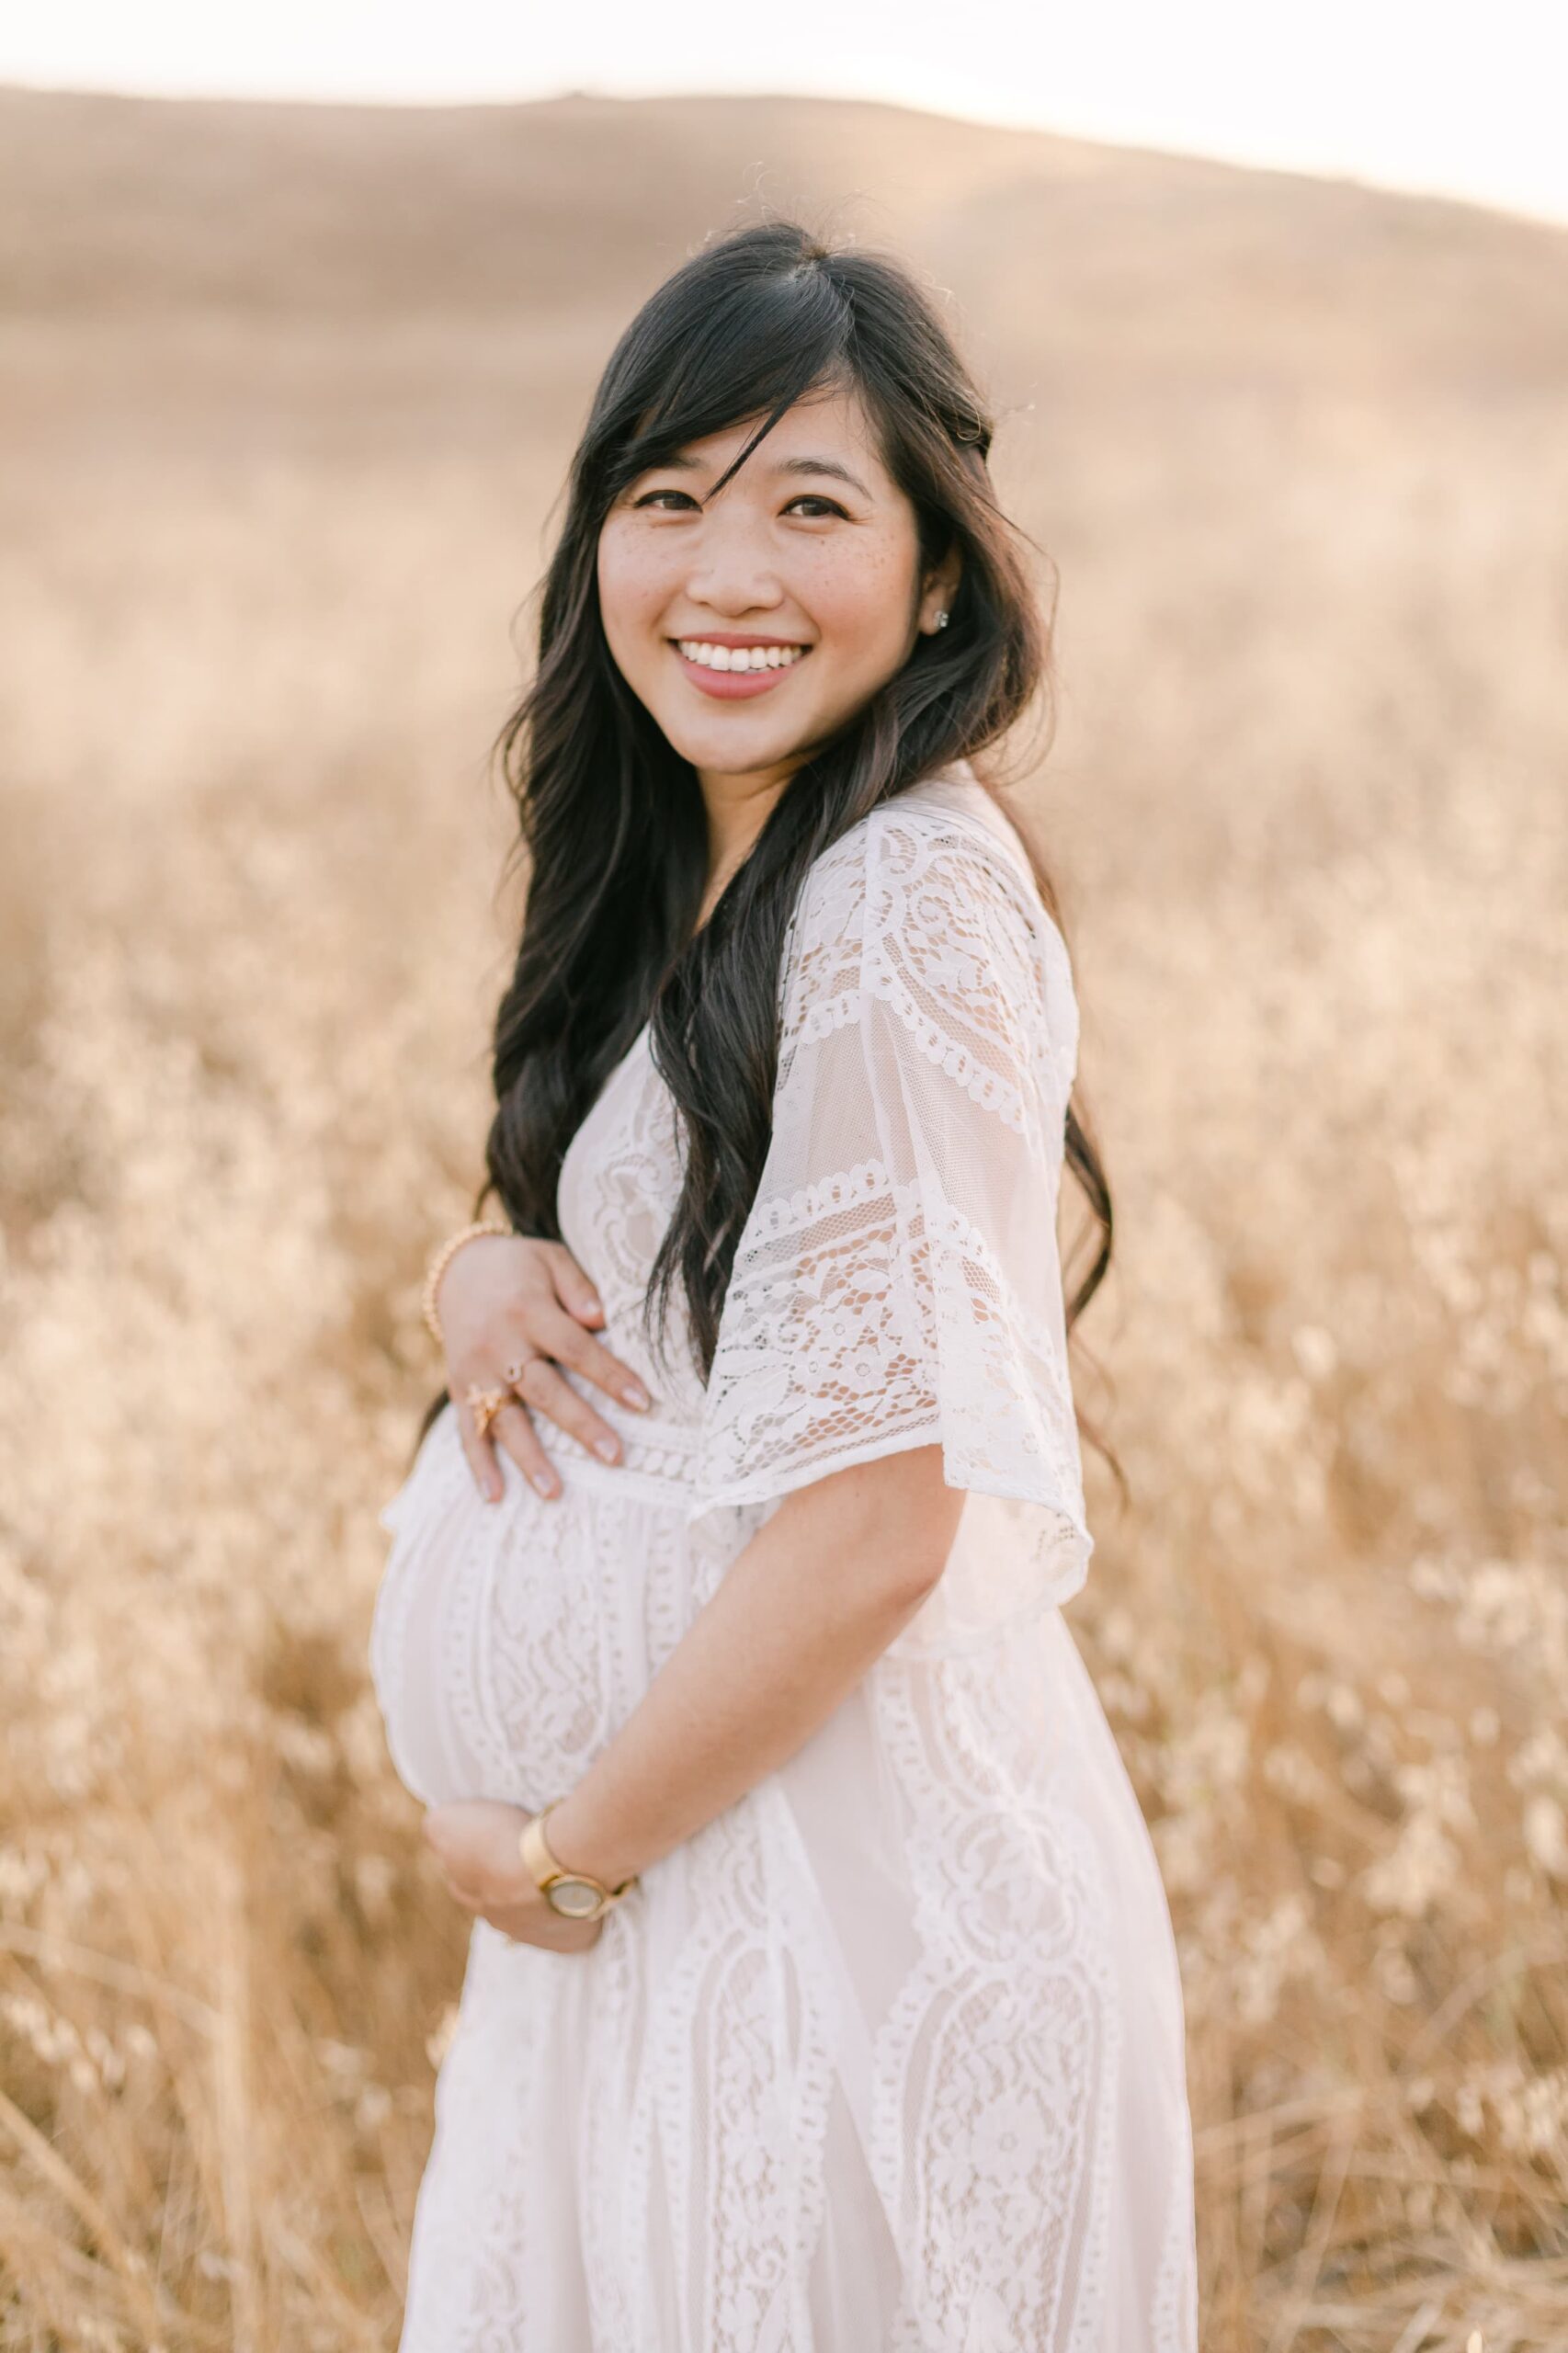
(862, 601)
(631, 583)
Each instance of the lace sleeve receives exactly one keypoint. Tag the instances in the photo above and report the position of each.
(898, 1282)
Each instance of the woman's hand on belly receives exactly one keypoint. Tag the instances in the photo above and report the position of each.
(507, 1301)
(475, 1842)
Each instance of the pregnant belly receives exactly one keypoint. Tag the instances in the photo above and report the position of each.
(511, 1639)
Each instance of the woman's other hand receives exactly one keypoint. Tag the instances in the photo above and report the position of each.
(475, 1842)
(505, 1299)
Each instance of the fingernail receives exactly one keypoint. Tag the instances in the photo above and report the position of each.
(606, 1448)
(544, 1483)
(637, 1395)
(493, 1494)
(593, 1307)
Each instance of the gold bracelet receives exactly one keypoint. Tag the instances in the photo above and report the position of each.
(442, 1260)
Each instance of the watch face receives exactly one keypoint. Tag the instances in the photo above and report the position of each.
(577, 1899)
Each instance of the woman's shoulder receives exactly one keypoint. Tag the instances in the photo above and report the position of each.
(942, 853)
(936, 881)
(947, 831)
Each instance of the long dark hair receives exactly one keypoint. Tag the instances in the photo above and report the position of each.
(612, 823)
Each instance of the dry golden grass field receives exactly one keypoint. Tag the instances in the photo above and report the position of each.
(287, 397)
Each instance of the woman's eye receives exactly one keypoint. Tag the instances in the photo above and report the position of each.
(805, 498)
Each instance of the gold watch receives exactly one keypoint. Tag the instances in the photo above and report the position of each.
(577, 1895)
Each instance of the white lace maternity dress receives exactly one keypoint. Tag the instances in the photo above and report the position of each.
(889, 2058)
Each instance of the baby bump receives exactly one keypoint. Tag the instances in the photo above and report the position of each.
(504, 1643)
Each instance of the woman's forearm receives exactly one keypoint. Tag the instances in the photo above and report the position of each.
(803, 1611)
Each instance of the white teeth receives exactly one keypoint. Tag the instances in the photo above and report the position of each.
(740, 657)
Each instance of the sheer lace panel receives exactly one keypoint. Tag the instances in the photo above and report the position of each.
(898, 1282)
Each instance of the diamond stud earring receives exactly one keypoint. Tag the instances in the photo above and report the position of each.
(942, 620)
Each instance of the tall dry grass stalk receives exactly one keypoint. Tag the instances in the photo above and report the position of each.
(1306, 807)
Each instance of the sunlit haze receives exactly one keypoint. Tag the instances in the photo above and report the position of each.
(1444, 99)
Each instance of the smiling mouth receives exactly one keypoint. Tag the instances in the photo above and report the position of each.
(727, 660)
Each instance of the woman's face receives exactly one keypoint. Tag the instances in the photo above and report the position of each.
(811, 550)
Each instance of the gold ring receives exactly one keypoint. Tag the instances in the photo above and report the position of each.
(514, 1373)
(485, 1404)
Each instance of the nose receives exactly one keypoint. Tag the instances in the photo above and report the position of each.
(731, 573)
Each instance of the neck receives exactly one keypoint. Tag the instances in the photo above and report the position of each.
(738, 807)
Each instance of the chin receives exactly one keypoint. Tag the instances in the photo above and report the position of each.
(735, 748)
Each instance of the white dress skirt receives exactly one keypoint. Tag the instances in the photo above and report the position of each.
(888, 2057)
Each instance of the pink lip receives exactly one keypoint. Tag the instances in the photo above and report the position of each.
(734, 686)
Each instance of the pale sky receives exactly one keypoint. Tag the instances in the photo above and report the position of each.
(1440, 95)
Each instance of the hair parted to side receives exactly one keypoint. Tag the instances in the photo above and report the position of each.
(612, 825)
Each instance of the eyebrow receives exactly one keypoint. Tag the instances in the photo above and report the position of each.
(788, 466)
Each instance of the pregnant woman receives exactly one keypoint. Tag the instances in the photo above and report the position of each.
(820, 1995)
